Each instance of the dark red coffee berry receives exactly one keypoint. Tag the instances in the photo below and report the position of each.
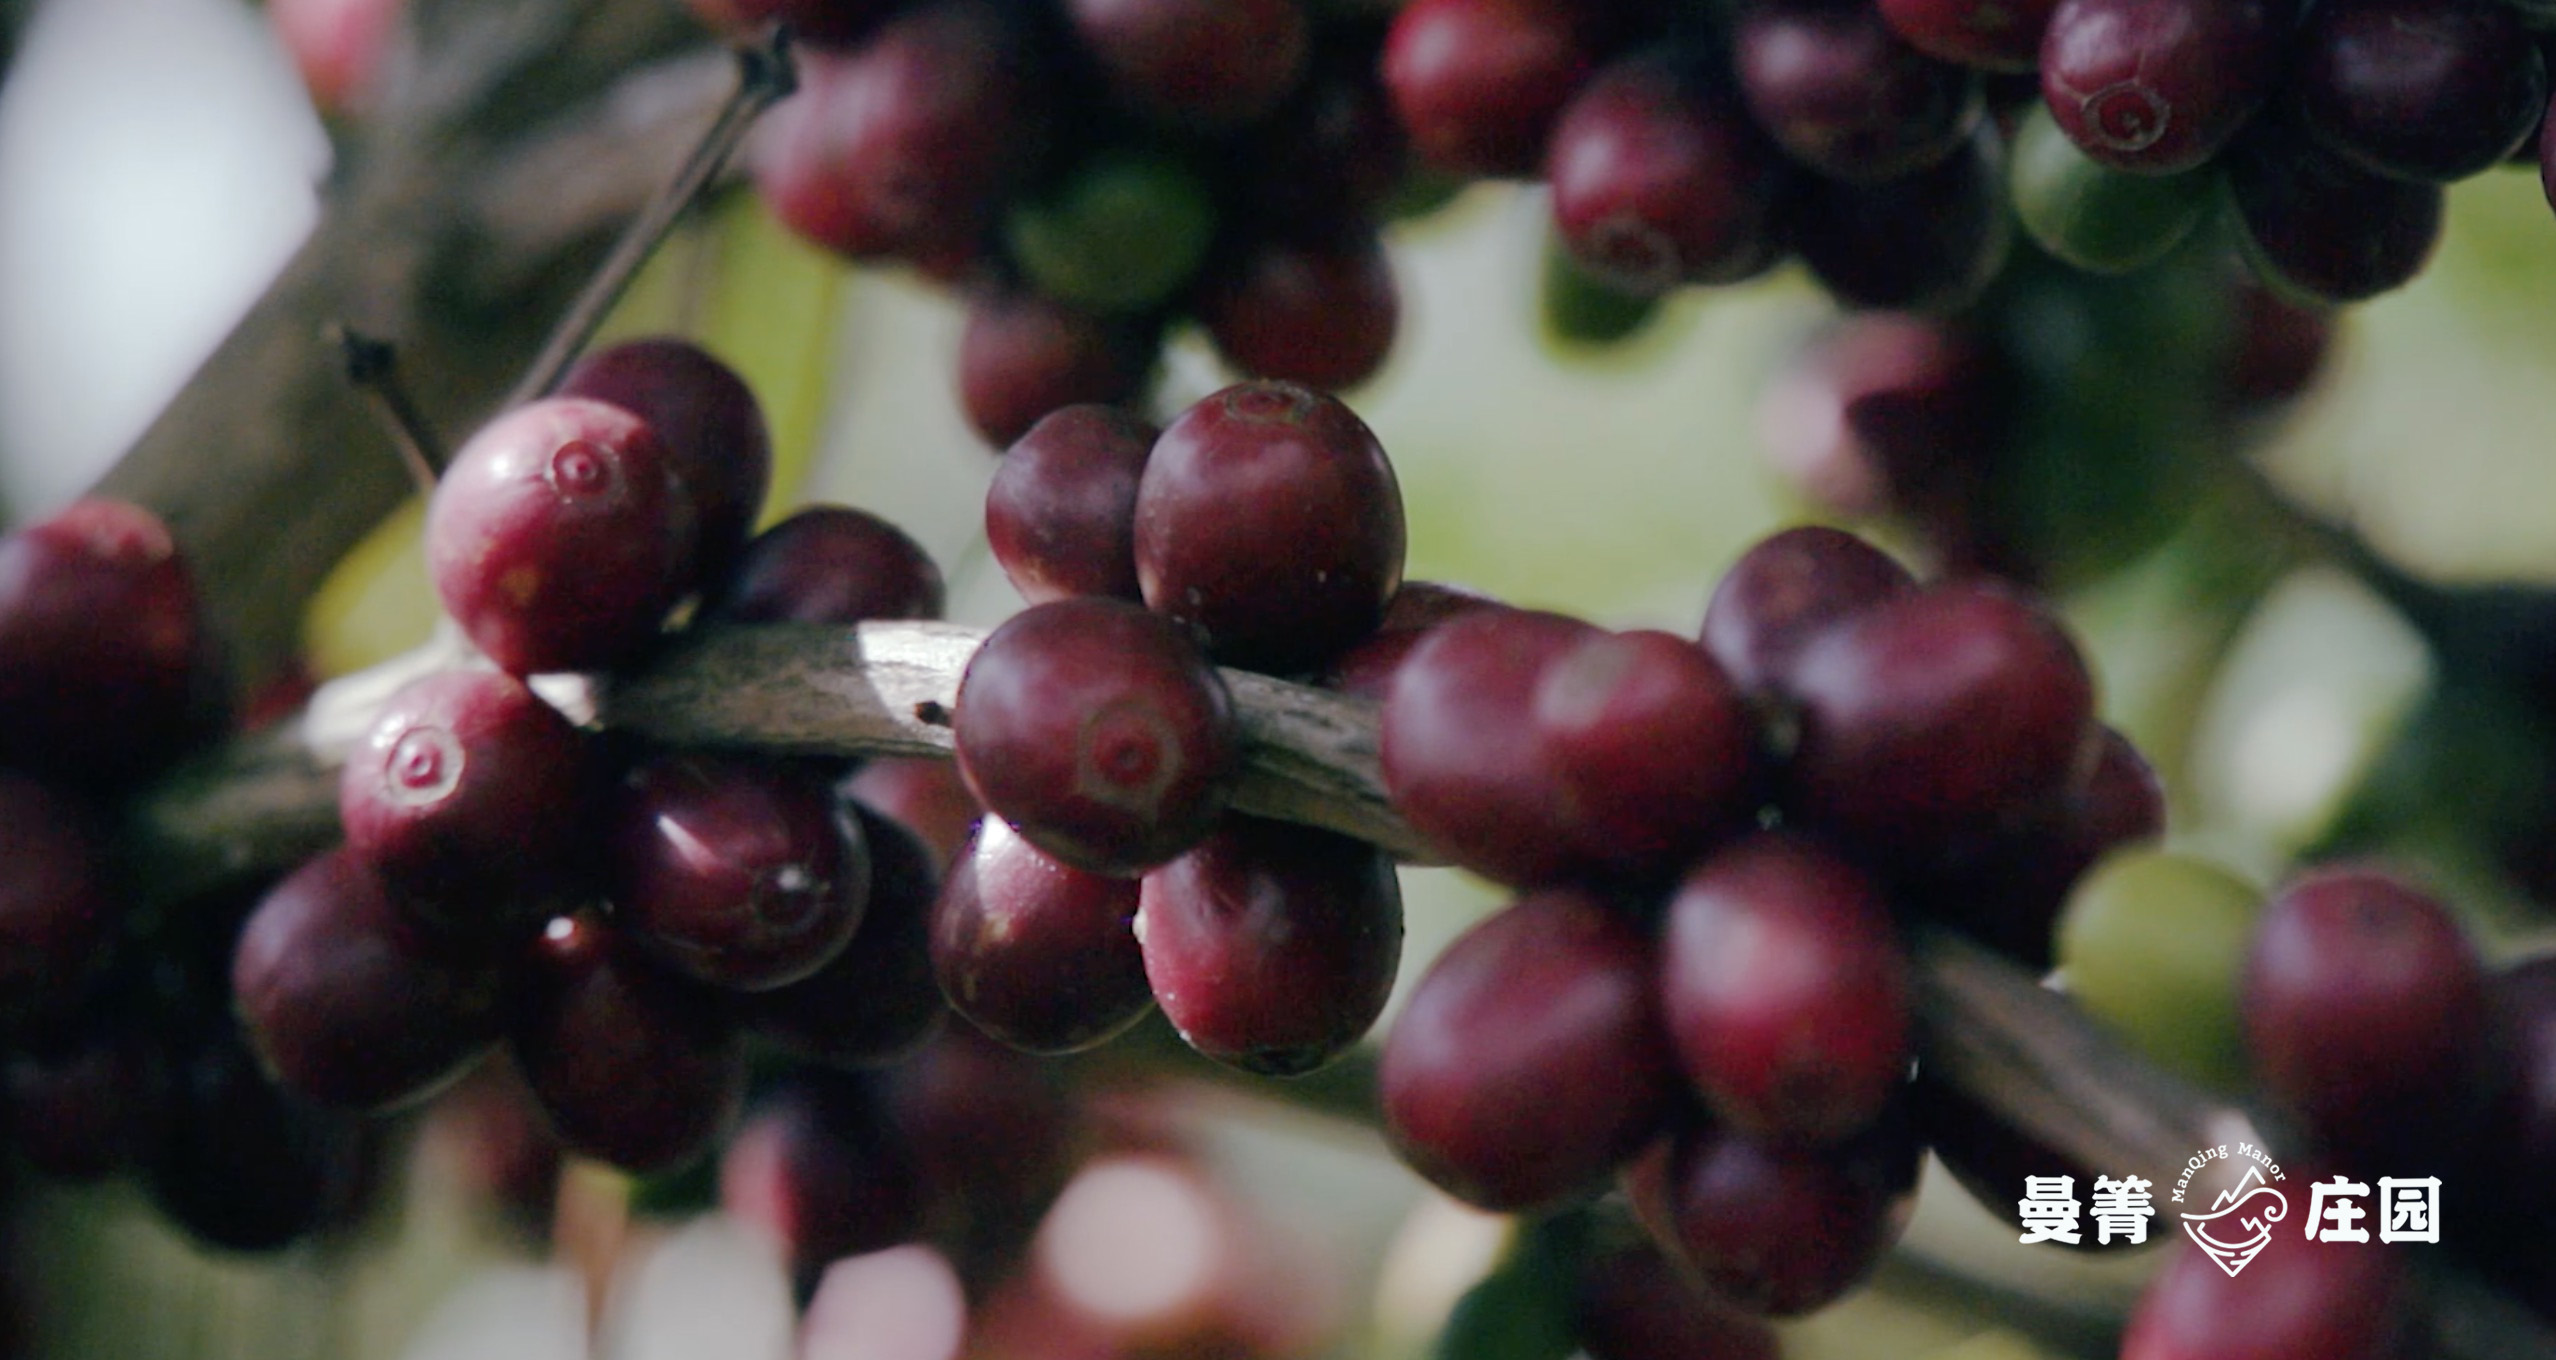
(1036, 953)
(1322, 315)
(1785, 592)
(1272, 946)
(1023, 356)
(831, 564)
(1779, 1231)
(1845, 95)
(2157, 86)
(1193, 62)
(1098, 731)
(1061, 514)
(1477, 83)
(101, 642)
(58, 916)
(709, 422)
(877, 1001)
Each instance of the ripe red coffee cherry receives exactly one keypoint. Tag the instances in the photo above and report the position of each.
(1779, 1231)
(737, 872)
(1787, 590)
(559, 537)
(831, 564)
(709, 422)
(1190, 62)
(1783, 985)
(1660, 179)
(1023, 356)
(2158, 86)
(1935, 720)
(2334, 1301)
(1272, 946)
(1548, 1006)
(472, 799)
(1993, 35)
(1269, 523)
(876, 1002)
(1322, 315)
(1098, 731)
(1034, 952)
(101, 644)
(1061, 514)
(1366, 671)
(1844, 94)
(57, 917)
(348, 1003)
(2365, 1012)
(1478, 82)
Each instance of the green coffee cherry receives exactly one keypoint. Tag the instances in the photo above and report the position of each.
(2152, 944)
(2101, 220)
(1122, 235)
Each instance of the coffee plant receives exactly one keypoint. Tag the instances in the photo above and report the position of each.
(690, 901)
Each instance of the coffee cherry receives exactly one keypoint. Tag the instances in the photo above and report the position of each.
(1928, 241)
(632, 1066)
(1269, 523)
(877, 1001)
(1649, 747)
(905, 145)
(1993, 35)
(471, 799)
(2157, 86)
(831, 564)
(348, 1003)
(2296, 1299)
(1781, 1231)
(1036, 953)
(2421, 91)
(2365, 1009)
(709, 422)
(1659, 179)
(1844, 94)
(1331, 157)
(1098, 731)
(1322, 315)
(1782, 594)
(1783, 985)
(58, 917)
(1061, 514)
(1634, 1303)
(1366, 671)
(559, 537)
(1938, 718)
(1192, 62)
(101, 644)
(2321, 229)
(1478, 82)
(1024, 355)
(2098, 218)
(1272, 946)
(738, 872)
(1549, 1005)
(923, 795)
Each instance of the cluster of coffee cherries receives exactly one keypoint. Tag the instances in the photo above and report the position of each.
(1261, 529)
(617, 917)
(1091, 170)
(1702, 985)
(1879, 142)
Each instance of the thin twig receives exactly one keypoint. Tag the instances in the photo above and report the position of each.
(372, 368)
(765, 75)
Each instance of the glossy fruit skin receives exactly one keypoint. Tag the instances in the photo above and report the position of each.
(1785, 990)
(1778, 1231)
(1366, 671)
(2421, 91)
(471, 799)
(1993, 35)
(1037, 953)
(736, 871)
(1269, 523)
(1784, 592)
(877, 1001)
(1660, 179)
(921, 794)
(709, 422)
(1458, 743)
(1845, 95)
(1193, 62)
(831, 564)
(1927, 241)
(1272, 946)
(2158, 86)
(905, 145)
(559, 537)
(1549, 1005)
(2321, 230)
(90, 704)
(1938, 718)
(632, 1065)
(1321, 314)
(2365, 1009)
(1477, 83)
(1649, 747)
(2091, 215)
(58, 914)
(348, 1003)
(1023, 356)
(1061, 514)
(1097, 730)
(2334, 1301)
